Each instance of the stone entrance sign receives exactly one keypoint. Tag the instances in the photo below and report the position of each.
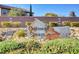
(39, 28)
(64, 31)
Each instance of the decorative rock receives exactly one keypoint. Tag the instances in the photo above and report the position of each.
(51, 34)
(63, 30)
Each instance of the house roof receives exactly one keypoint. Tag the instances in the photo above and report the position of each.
(5, 6)
(9, 7)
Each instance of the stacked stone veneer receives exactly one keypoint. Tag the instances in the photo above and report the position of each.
(74, 32)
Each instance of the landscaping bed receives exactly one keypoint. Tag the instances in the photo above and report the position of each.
(57, 46)
(20, 44)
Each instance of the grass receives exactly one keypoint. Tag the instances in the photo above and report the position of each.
(57, 46)
(62, 46)
(9, 45)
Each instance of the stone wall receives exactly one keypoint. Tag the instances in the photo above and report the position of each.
(64, 32)
(74, 32)
(24, 19)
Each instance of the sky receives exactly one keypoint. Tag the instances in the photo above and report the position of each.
(42, 9)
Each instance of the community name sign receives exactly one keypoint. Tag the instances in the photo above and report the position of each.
(40, 29)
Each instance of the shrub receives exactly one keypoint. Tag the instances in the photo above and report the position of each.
(51, 24)
(58, 46)
(32, 46)
(9, 45)
(75, 24)
(29, 46)
(67, 23)
(20, 33)
(28, 23)
(6, 24)
(16, 24)
(61, 46)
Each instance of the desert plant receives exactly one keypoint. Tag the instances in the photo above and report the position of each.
(9, 45)
(75, 24)
(58, 46)
(69, 46)
(27, 23)
(53, 24)
(34, 46)
(16, 24)
(67, 23)
(20, 33)
(6, 24)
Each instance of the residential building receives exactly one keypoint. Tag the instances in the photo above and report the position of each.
(4, 9)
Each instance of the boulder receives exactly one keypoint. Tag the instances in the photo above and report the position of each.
(51, 34)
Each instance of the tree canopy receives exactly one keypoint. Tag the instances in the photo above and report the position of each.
(51, 15)
(72, 14)
(16, 12)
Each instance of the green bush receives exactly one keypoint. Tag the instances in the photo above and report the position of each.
(75, 24)
(6, 24)
(52, 24)
(27, 23)
(58, 46)
(20, 33)
(67, 23)
(64, 46)
(9, 45)
(16, 24)
(32, 46)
